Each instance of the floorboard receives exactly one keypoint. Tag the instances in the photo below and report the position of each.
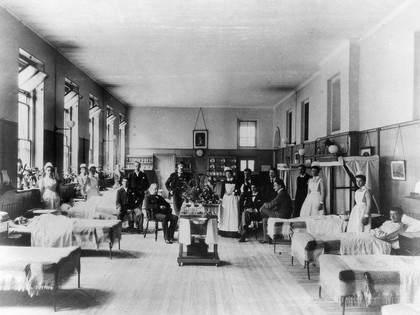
(144, 277)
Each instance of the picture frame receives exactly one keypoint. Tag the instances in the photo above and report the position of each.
(398, 170)
(366, 151)
(200, 139)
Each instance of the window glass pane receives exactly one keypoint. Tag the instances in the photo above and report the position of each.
(247, 133)
(251, 165)
(23, 132)
(243, 165)
(335, 106)
(24, 151)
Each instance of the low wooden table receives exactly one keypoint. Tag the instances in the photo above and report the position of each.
(196, 232)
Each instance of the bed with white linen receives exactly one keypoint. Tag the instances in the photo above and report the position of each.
(307, 247)
(96, 207)
(33, 269)
(60, 231)
(370, 280)
(278, 228)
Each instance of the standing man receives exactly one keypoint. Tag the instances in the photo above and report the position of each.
(127, 207)
(245, 185)
(268, 191)
(176, 185)
(280, 207)
(301, 189)
(138, 184)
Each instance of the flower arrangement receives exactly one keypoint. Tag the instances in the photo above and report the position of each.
(28, 177)
(200, 190)
(69, 177)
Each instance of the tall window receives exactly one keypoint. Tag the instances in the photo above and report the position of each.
(71, 140)
(30, 109)
(122, 125)
(109, 139)
(334, 103)
(305, 121)
(289, 126)
(247, 133)
(94, 111)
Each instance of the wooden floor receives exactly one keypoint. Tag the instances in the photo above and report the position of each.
(144, 278)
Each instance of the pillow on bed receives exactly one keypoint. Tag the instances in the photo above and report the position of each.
(412, 224)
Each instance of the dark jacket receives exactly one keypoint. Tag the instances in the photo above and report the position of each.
(138, 184)
(176, 183)
(153, 203)
(282, 203)
(253, 204)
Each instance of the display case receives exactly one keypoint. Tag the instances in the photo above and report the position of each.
(216, 165)
(146, 161)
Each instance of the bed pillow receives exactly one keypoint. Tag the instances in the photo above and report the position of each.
(412, 224)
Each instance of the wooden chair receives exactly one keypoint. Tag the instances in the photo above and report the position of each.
(150, 216)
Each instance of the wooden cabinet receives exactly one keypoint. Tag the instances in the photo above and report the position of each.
(146, 161)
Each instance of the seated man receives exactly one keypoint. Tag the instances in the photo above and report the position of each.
(162, 212)
(390, 229)
(126, 206)
(252, 202)
(280, 207)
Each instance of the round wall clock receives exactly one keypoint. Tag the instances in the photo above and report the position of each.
(199, 152)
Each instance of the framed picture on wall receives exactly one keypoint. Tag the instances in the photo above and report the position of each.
(200, 139)
(366, 151)
(398, 170)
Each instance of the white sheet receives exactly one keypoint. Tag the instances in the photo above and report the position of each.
(363, 244)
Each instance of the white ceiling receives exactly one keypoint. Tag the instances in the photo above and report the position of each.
(200, 53)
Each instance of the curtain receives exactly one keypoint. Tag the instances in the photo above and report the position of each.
(368, 166)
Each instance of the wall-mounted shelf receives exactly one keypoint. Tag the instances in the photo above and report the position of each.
(146, 161)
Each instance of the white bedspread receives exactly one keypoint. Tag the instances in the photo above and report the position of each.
(51, 231)
(97, 207)
(362, 244)
(327, 224)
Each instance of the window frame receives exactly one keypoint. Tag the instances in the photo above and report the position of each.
(253, 121)
(334, 123)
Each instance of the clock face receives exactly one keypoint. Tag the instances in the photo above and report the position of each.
(199, 152)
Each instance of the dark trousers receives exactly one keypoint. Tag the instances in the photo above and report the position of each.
(133, 216)
(247, 218)
(265, 214)
(177, 201)
(168, 224)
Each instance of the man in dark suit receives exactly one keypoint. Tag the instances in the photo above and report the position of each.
(301, 189)
(280, 207)
(126, 205)
(252, 203)
(245, 185)
(176, 185)
(162, 212)
(267, 185)
(138, 184)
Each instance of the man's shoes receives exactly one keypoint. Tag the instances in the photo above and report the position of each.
(168, 242)
(266, 242)
(242, 240)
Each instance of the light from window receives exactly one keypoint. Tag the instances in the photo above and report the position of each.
(334, 89)
(247, 164)
(247, 134)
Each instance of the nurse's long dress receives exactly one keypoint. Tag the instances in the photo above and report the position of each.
(228, 217)
(355, 224)
(50, 197)
(310, 206)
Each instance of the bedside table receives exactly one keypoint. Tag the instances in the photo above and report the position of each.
(409, 243)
